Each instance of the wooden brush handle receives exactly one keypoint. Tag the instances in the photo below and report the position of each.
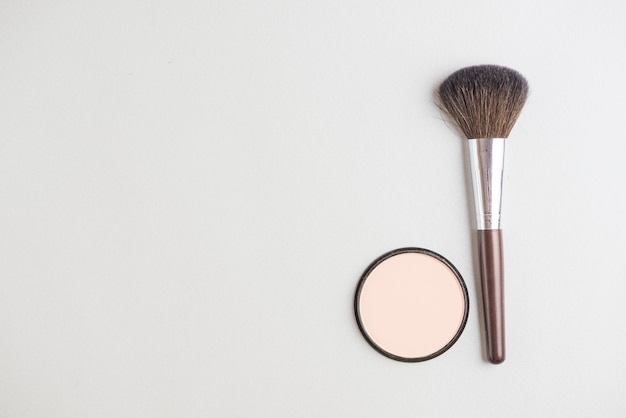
(492, 280)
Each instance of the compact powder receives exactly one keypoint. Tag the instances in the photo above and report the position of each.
(411, 304)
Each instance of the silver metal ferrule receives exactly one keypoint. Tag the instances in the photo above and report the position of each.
(487, 166)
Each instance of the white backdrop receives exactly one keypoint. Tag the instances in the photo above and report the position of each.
(190, 191)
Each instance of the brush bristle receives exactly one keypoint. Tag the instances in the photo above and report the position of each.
(484, 100)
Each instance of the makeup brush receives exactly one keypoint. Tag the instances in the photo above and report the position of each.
(485, 101)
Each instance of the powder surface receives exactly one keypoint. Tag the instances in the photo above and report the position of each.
(412, 305)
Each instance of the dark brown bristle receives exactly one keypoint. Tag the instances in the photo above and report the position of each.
(484, 100)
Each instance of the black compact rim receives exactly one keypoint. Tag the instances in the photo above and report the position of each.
(366, 274)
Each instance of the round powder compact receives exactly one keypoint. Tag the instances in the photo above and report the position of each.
(411, 304)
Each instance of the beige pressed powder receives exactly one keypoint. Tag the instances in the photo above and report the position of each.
(411, 304)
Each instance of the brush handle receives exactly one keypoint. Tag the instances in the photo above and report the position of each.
(492, 280)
